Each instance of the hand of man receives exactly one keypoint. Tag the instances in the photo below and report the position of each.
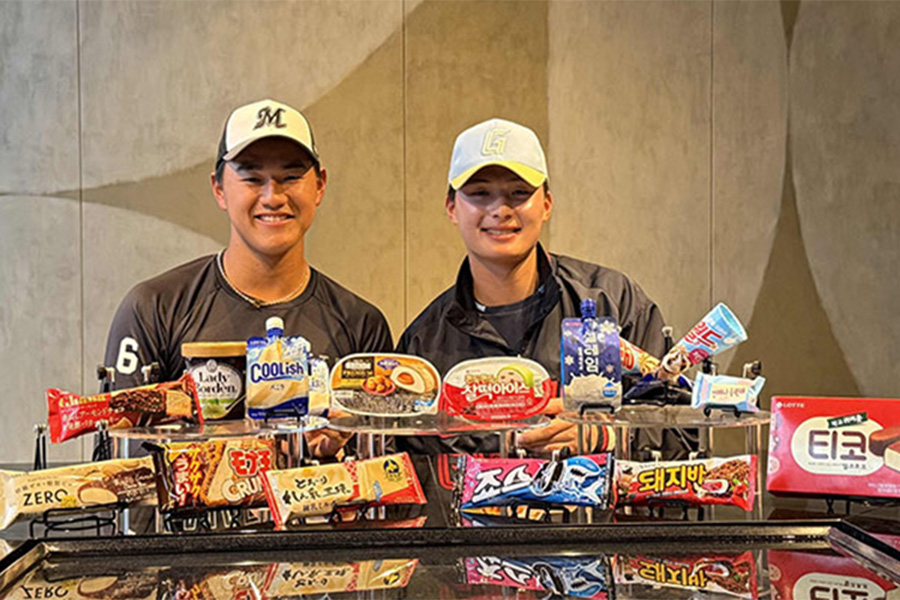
(325, 443)
(558, 434)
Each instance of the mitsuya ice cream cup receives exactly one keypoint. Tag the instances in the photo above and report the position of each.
(717, 332)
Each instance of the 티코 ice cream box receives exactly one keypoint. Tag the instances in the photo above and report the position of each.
(835, 447)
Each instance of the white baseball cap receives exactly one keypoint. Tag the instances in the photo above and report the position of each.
(262, 119)
(498, 142)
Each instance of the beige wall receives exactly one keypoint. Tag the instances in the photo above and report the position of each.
(737, 151)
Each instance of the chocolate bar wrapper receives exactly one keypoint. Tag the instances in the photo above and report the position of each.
(71, 415)
(296, 579)
(199, 475)
(734, 575)
(722, 391)
(576, 481)
(698, 482)
(319, 490)
(126, 481)
(572, 577)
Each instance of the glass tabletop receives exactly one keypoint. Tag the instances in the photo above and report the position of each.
(653, 416)
(221, 429)
(440, 424)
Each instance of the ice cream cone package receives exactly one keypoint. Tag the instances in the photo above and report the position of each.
(126, 481)
(718, 331)
(385, 385)
(497, 389)
(71, 415)
(591, 360)
(277, 373)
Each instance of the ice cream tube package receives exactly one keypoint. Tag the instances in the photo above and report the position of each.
(126, 481)
(591, 360)
(636, 360)
(277, 373)
(577, 481)
(731, 574)
(718, 331)
(497, 389)
(395, 385)
(698, 482)
(296, 579)
(569, 576)
(320, 489)
(209, 474)
(71, 415)
(722, 391)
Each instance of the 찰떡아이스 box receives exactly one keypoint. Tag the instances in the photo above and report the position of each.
(835, 447)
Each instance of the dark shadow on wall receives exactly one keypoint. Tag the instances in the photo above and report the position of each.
(789, 330)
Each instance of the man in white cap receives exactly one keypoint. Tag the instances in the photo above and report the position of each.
(269, 179)
(511, 295)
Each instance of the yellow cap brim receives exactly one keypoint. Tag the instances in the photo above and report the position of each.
(532, 176)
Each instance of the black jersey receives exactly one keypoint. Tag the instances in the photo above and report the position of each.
(194, 303)
(453, 328)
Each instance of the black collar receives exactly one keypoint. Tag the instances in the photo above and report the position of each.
(463, 313)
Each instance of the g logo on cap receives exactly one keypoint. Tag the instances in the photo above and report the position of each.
(495, 141)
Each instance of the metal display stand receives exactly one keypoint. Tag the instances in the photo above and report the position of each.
(625, 422)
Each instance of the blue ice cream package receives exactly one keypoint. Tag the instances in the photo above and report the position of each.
(277, 373)
(717, 391)
(591, 360)
(578, 481)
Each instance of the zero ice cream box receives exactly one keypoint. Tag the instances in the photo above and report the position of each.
(814, 576)
(835, 447)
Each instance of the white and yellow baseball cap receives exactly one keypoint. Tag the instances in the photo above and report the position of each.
(498, 142)
(262, 119)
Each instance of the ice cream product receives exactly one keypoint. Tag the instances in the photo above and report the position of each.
(718, 331)
(497, 389)
(714, 573)
(319, 387)
(580, 481)
(591, 360)
(198, 475)
(569, 576)
(277, 373)
(636, 360)
(730, 480)
(219, 370)
(834, 447)
(126, 481)
(385, 385)
(71, 415)
(321, 489)
(722, 391)
(302, 579)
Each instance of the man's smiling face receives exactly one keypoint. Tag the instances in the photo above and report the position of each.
(270, 192)
(499, 215)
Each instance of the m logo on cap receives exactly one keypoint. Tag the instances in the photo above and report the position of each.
(267, 117)
(495, 141)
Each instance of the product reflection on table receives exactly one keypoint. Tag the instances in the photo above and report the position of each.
(810, 575)
(243, 580)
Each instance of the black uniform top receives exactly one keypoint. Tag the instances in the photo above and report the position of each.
(194, 303)
(454, 328)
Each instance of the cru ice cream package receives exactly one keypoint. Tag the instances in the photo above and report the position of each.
(591, 360)
(277, 373)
